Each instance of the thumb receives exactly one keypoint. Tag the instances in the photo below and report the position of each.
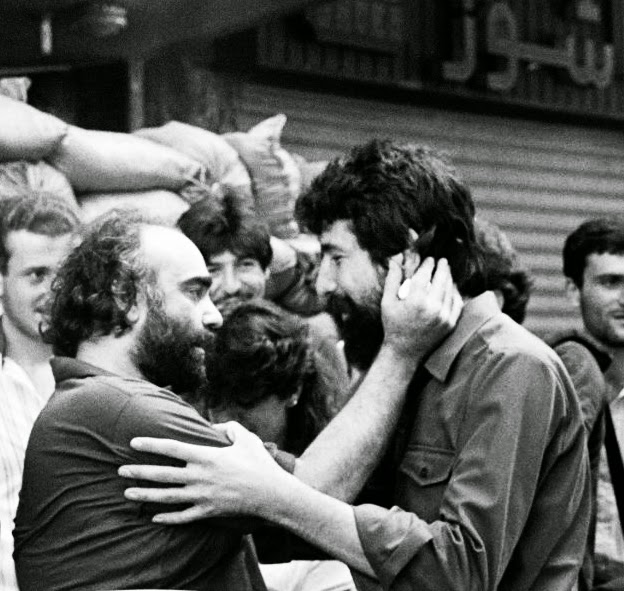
(393, 278)
(233, 431)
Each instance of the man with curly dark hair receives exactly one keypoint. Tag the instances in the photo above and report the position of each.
(485, 485)
(129, 322)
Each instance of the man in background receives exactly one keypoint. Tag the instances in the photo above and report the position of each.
(36, 232)
(593, 264)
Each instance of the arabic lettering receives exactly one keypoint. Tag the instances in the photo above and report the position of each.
(579, 56)
(463, 69)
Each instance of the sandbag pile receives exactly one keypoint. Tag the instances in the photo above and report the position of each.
(157, 170)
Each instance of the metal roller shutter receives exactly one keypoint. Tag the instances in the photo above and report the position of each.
(536, 180)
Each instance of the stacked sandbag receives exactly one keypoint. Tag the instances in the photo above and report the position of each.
(221, 161)
(27, 133)
(275, 176)
(96, 161)
(160, 205)
(22, 177)
(118, 170)
(159, 170)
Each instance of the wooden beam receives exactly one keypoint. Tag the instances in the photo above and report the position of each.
(152, 24)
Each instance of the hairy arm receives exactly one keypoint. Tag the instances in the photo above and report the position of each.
(362, 429)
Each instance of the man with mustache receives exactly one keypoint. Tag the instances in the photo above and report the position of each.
(130, 316)
(485, 484)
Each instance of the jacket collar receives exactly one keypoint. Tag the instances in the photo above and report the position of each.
(477, 311)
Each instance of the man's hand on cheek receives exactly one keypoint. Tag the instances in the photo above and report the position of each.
(419, 311)
(239, 479)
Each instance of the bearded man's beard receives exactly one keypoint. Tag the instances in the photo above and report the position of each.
(170, 353)
(360, 327)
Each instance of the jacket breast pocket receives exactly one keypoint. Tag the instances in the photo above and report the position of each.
(423, 477)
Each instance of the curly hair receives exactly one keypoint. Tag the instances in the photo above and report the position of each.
(596, 236)
(261, 350)
(36, 212)
(503, 270)
(383, 189)
(218, 224)
(98, 283)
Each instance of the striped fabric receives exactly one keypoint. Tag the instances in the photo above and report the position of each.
(20, 404)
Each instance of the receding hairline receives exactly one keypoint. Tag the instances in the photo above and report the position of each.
(156, 251)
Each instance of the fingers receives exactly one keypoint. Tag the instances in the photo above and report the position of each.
(168, 496)
(169, 448)
(165, 474)
(181, 517)
(393, 278)
(422, 277)
(442, 280)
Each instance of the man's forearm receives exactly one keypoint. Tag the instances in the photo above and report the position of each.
(317, 518)
(361, 430)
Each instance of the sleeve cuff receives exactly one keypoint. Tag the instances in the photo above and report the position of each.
(390, 538)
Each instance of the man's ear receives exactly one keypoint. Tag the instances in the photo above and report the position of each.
(573, 293)
(121, 301)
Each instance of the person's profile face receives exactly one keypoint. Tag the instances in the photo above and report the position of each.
(176, 313)
(346, 269)
(352, 285)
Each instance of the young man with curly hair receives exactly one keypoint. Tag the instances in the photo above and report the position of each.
(485, 485)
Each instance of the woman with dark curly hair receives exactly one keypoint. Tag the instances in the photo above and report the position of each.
(264, 374)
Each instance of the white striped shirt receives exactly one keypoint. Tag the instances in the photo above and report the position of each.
(20, 403)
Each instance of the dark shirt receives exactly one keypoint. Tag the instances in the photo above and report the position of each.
(492, 491)
(586, 361)
(74, 528)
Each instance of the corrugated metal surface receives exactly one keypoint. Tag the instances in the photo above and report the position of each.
(536, 180)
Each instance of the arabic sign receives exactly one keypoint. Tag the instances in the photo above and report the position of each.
(581, 57)
(559, 55)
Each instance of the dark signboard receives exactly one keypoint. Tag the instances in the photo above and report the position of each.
(564, 55)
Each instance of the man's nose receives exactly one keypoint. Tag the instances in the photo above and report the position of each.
(231, 283)
(325, 282)
(211, 317)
